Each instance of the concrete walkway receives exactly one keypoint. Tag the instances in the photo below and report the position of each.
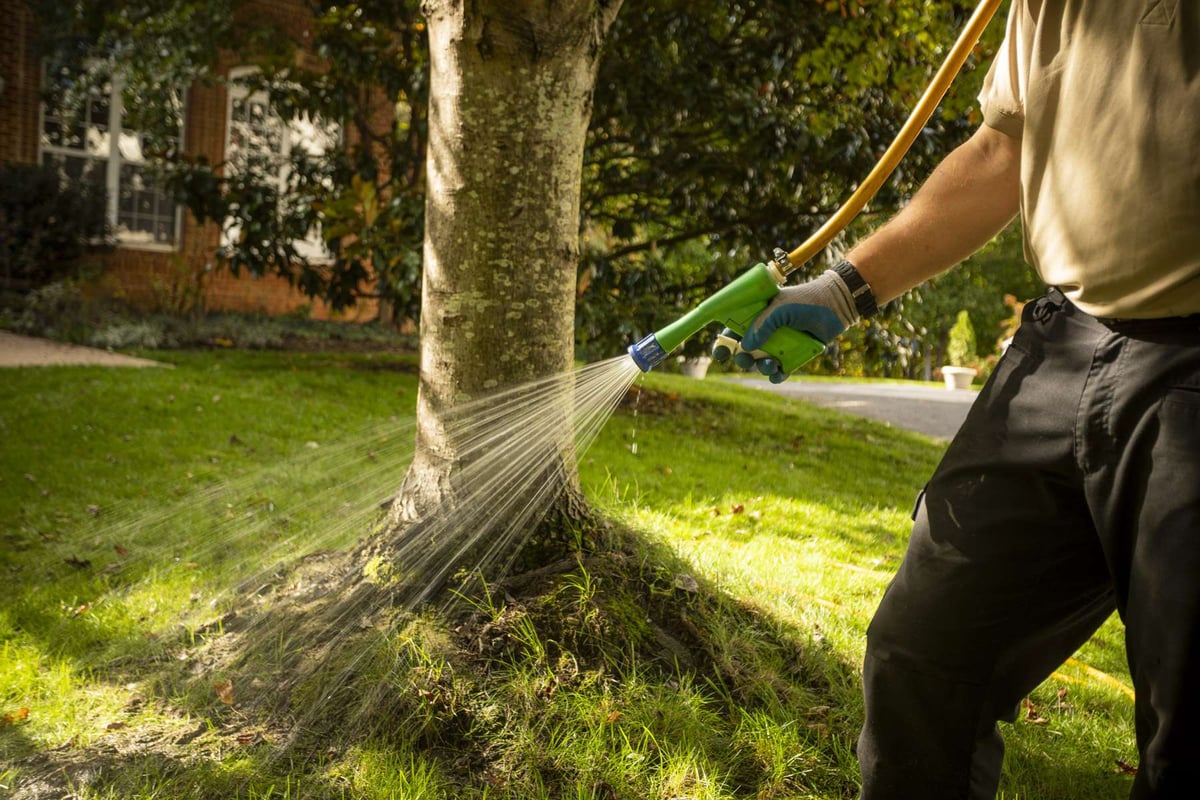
(931, 410)
(25, 351)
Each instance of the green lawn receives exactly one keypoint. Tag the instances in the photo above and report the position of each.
(140, 507)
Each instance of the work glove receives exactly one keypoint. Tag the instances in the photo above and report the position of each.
(823, 308)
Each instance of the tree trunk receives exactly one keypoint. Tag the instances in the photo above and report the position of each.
(510, 99)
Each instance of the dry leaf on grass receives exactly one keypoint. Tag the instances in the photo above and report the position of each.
(1032, 715)
(20, 715)
(1125, 768)
(224, 690)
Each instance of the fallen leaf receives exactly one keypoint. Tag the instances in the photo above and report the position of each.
(77, 563)
(224, 690)
(115, 726)
(20, 715)
(1126, 768)
(121, 551)
(716, 512)
(248, 738)
(30, 478)
(1032, 715)
(737, 508)
(687, 583)
(612, 717)
(93, 509)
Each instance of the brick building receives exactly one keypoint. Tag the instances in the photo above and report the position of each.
(158, 245)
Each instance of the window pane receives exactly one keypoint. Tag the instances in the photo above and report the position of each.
(74, 170)
(255, 133)
(313, 137)
(73, 122)
(145, 214)
(150, 126)
(261, 140)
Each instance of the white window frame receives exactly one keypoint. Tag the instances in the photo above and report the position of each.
(128, 240)
(313, 247)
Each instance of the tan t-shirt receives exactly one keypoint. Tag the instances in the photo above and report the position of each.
(1105, 97)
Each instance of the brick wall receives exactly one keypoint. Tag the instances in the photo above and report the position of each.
(138, 276)
(19, 69)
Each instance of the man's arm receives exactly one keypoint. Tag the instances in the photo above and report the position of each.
(967, 200)
(971, 196)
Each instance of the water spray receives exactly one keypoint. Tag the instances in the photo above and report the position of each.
(738, 304)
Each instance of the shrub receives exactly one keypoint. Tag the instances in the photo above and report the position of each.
(144, 334)
(58, 310)
(960, 352)
(45, 226)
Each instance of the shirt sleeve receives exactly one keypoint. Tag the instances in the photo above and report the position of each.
(1002, 97)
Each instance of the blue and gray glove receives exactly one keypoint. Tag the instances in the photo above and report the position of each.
(823, 308)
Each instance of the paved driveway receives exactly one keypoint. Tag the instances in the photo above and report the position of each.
(931, 410)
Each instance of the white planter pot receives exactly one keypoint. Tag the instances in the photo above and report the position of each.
(695, 367)
(958, 377)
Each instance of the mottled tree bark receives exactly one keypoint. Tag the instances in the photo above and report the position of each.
(510, 100)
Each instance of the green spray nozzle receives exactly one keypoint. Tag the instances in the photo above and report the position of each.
(736, 307)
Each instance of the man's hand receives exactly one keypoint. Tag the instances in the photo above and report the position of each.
(822, 308)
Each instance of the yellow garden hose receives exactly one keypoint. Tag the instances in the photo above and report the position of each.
(903, 141)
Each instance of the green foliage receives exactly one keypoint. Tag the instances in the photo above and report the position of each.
(66, 311)
(718, 132)
(365, 195)
(158, 47)
(45, 227)
(368, 77)
(59, 310)
(961, 352)
(722, 131)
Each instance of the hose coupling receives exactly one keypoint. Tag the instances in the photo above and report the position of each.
(647, 352)
(780, 265)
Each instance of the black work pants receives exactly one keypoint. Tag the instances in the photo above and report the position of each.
(1072, 489)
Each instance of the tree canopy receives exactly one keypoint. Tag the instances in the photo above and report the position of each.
(719, 130)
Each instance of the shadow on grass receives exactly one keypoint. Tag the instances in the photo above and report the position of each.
(608, 675)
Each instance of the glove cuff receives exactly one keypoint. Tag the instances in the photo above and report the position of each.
(861, 296)
(837, 297)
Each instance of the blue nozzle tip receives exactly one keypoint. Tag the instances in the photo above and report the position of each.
(647, 352)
